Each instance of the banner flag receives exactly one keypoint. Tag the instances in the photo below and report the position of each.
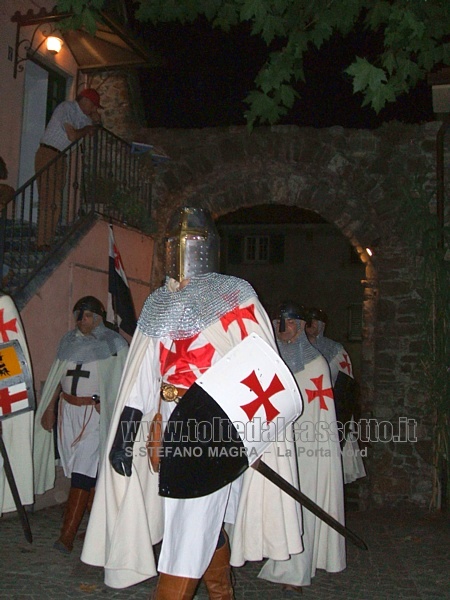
(120, 309)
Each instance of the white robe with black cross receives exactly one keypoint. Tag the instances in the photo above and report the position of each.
(79, 426)
(82, 431)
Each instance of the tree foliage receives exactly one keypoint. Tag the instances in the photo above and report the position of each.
(415, 38)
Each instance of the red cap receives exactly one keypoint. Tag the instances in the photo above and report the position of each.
(92, 95)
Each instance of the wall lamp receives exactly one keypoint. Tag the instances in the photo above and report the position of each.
(44, 26)
(54, 44)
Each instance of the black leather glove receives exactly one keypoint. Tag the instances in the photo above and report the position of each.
(121, 453)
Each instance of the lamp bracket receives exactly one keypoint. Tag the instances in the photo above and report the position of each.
(43, 22)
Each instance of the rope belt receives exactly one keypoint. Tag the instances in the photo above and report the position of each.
(171, 393)
(78, 400)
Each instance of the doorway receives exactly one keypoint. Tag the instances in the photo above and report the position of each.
(44, 89)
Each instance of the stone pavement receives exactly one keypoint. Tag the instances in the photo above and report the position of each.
(408, 558)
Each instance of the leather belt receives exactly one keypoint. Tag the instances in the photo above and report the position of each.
(79, 400)
(50, 147)
(172, 393)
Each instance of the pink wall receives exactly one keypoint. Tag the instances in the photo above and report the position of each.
(12, 89)
(48, 315)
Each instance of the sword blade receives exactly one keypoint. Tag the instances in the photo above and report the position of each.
(297, 495)
(15, 493)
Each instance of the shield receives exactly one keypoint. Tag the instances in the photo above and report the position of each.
(227, 420)
(16, 389)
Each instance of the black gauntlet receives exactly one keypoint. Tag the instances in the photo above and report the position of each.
(121, 454)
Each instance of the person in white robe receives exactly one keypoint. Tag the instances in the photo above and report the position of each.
(17, 430)
(318, 457)
(339, 362)
(81, 389)
(185, 327)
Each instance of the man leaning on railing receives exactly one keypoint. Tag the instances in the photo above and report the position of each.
(70, 121)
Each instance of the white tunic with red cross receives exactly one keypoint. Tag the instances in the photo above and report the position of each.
(320, 472)
(267, 521)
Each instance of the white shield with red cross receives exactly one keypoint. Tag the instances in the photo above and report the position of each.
(16, 390)
(227, 419)
(257, 391)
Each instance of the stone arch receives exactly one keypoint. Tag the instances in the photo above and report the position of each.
(355, 179)
(269, 182)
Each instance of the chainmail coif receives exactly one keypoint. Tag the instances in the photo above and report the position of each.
(185, 312)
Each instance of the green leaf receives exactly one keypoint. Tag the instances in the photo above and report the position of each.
(378, 97)
(288, 95)
(227, 16)
(253, 10)
(89, 21)
(378, 14)
(365, 75)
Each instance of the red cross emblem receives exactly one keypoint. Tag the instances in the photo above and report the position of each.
(263, 396)
(7, 400)
(117, 259)
(6, 326)
(319, 392)
(239, 314)
(180, 356)
(346, 364)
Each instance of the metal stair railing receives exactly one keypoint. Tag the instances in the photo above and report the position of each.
(97, 174)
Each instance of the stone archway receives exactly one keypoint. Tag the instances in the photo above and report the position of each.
(357, 180)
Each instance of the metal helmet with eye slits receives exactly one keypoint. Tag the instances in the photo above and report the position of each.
(192, 243)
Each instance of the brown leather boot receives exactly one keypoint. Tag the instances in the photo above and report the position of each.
(75, 507)
(217, 576)
(82, 535)
(171, 587)
(90, 499)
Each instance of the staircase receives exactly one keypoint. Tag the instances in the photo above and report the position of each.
(102, 176)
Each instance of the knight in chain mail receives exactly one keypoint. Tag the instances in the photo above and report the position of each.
(318, 456)
(80, 392)
(185, 327)
(346, 392)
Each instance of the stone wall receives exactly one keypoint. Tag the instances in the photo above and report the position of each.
(355, 179)
(120, 96)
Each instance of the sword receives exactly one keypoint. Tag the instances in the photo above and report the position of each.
(15, 492)
(314, 508)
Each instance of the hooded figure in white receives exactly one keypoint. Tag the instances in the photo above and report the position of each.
(318, 456)
(84, 379)
(341, 369)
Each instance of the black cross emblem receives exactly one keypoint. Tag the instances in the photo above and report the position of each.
(77, 373)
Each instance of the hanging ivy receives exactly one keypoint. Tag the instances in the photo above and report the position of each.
(429, 242)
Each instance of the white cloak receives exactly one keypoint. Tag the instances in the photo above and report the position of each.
(109, 373)
(18, 430)
(127, 515)
(353, 464)
(320, 473)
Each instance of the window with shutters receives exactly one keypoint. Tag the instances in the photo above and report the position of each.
(255, 249)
